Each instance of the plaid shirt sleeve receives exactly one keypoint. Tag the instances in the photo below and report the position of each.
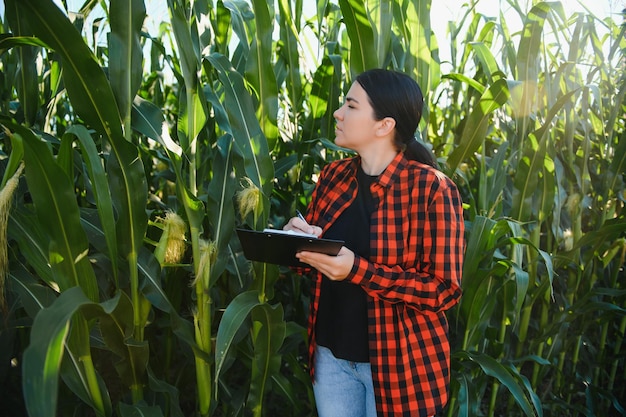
(418, 252)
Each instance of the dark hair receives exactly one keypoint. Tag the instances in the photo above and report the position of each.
(396, 95)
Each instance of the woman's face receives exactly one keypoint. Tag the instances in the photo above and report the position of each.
(355, 123)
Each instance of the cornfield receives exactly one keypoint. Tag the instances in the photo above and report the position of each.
(129, 156)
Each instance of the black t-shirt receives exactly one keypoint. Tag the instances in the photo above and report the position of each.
(341, 323)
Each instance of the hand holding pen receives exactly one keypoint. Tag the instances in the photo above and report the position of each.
(299, 224)
(301, 217)
(335, 268)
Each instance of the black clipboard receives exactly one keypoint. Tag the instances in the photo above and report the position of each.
(280, 247)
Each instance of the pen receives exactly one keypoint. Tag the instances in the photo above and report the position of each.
(301, 217)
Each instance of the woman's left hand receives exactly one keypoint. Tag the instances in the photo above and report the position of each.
(335, 268)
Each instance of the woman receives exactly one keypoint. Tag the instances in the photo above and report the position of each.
(377, 330)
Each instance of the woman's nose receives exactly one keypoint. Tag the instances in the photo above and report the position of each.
(337, 114)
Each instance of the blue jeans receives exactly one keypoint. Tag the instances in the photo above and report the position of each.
(342, 388)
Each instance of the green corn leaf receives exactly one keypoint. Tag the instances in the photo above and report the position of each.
(363, 56)
(93, 99)
(289, 52)
(260, 71)
(615, 113)
(240, 12)
(192, 113)
(522, 278)
(77, 368)
(222, 27)
(15, 158)
(186, 39)
(468, 407)
(151, 288)
(522, 283)
(65, 157)
(534, 397)
(220, 193)
(547, 184)
(507, 378)
(41, 370)
(407, 21)
(318, 98)
(245, 128)
(476, 85)
(129, 191)
(58, 215)
(478, 122)
(528, 60)
(126, 18)
(100, 189)
(493, 182)
(607, 232)
(477, 304)
(421, 60)
(240, 267)
(171, 394)
(486, 59)
(236, 313)
(323, 99)
(243, 124)
(33, 241)
(382, 19)
(148, 120)
(42, 357)
(268, 333)
(532, 163)
(192, 118)
(281, 384)
(27, 77)
(192, 109)
(33, 296)
(116, 329)
(85, 80)
(478, 244)
(530, 43)
(618, 164)
(8, 42)
(334, 93)
(74, 377)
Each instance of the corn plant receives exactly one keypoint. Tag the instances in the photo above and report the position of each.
(538, 295)
(129, 157)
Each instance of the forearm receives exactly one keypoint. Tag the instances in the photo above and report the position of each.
(417, 289)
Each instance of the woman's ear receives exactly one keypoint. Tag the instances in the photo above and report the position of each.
(386, 126)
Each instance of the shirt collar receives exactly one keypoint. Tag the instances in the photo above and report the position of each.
(391, 173)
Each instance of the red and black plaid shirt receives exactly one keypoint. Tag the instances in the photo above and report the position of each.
(412, 277)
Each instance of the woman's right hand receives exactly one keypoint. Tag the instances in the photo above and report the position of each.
(298, 225)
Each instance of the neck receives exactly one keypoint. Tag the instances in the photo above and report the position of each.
(374, 163)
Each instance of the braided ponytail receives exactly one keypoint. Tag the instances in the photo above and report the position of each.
(417, 152)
